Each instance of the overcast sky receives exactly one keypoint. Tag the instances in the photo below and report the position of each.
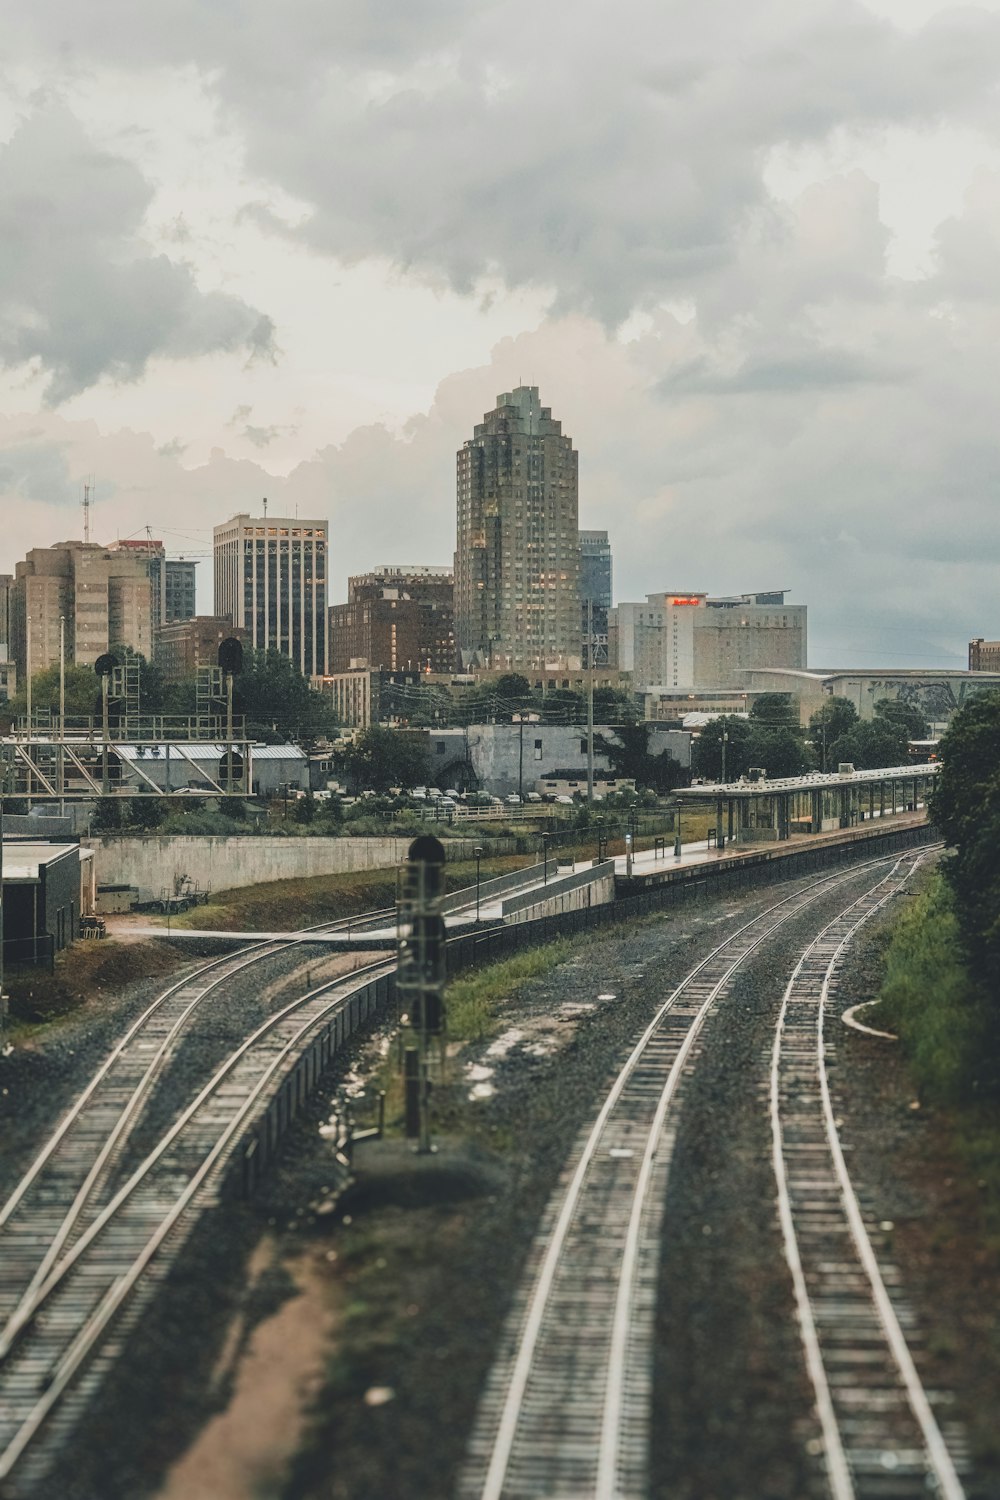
(749, 253)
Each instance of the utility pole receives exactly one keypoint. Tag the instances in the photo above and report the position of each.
(590, 701)
(421, 977)
(62, 715)
(3, 997)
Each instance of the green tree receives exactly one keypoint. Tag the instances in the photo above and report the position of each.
(907, 716)
(305, 808)
(82, 688)
(562, 706)
(381, 758)
(277, 700)
(613, 707)
(147, 812)
(871, 744)
(777, 739)
(775, 711)
(780, 752)
(152, 688)
(837, 718)
(630, 757)
(706, 750)
(966, 808)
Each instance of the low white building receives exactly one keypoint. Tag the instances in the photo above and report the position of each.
(505, 758)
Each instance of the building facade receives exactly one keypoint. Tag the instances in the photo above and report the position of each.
(517, 558)
(182, 646)
(172, 580)
(396, 619)
(984, 656)
(595, 595)
(102, 597)
(689, 640)
(6, 589)
(271, 580)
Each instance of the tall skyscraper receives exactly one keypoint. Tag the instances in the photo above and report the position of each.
(595, 595)
(517, 560)
(270, 578)
(102, 596)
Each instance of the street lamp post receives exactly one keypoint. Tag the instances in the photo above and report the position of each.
(520, 720)
(545, 858)
(725, 742)
(478, 852)
(3, 997)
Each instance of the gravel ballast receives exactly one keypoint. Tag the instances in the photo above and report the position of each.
(419, 1267)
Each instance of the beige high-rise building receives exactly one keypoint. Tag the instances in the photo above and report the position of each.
(270, 578)
(103, 598)
(690, 640)
(517, 559)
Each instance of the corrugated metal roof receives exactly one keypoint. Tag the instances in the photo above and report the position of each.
(205, 750)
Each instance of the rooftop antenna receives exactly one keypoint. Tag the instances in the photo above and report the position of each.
(265, 507)
(85, 502)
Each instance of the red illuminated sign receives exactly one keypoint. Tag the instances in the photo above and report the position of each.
(684, 601)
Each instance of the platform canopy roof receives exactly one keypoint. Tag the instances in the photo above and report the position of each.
(817, 781)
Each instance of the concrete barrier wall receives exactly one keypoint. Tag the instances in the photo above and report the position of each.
(152, 864)
(585, 889)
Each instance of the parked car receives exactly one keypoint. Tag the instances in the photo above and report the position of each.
(532, 796)
(512, 799)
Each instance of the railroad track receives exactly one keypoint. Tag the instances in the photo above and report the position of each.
(74, 1167)
(566, 1408)
(61, 1204)
(880, 1436)
(95, 1292)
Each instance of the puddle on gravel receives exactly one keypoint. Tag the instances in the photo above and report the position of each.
(244, 1452)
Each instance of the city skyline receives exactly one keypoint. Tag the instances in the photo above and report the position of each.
(760, 297)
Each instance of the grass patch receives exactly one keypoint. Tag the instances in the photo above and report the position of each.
(932, 1001)
(472, 1002)
(950, 1029)
(82, 974)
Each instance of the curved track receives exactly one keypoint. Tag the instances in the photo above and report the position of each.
(566, 1409)
(46, 1208)
(80, 1301)
(880, 1436)
(65, 1226)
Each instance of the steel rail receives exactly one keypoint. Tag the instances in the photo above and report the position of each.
(120, 1048)
(131, 1110)
(503, 1439)
(87, 1336)
(938, 1460)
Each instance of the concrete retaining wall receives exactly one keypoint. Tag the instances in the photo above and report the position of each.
(152, 864)
(585, 889)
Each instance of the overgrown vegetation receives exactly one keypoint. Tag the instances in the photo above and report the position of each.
(929, 997)
(472, 1002)
(940, 991)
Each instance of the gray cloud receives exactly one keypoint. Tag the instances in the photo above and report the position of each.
(611, 153)
(794, 373)
(80, 296)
